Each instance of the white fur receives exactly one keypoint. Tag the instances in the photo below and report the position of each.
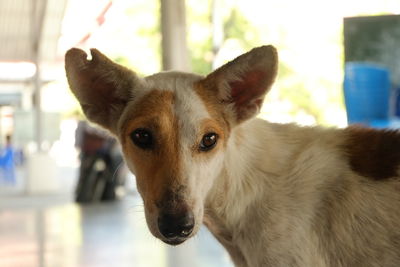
(278, 179)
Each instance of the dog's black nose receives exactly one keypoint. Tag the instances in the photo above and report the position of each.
(176, 226)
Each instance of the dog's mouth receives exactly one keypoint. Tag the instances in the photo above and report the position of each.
(174, 241)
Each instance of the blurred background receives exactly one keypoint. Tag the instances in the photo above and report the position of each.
(66, 198)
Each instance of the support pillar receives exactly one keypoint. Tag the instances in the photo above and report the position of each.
(173, 30)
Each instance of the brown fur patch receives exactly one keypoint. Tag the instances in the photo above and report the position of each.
(208, 95)
(159, 167)
(373, 153)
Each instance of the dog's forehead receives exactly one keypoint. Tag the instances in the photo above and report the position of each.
(172, 81)
(187, 104)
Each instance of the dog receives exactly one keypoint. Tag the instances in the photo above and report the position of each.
(271, 194)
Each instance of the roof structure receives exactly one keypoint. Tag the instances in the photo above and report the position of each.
(30, 27)
(29, 34)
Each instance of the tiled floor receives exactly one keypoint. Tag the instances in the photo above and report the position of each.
(50, 231)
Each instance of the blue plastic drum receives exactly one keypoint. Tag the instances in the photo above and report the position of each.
(366, 92)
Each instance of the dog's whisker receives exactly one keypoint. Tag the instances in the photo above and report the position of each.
(115, 174)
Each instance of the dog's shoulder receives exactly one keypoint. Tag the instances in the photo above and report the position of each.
(373, 153)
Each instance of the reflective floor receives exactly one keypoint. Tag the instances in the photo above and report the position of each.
(53, 231)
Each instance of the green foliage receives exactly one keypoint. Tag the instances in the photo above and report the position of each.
(201, 57)
(199, 35)
(238, 27)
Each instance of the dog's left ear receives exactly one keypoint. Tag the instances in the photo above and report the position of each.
(102, 87)
(242, 84)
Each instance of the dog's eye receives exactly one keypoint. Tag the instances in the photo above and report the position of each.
(142, 138)
(208, 142)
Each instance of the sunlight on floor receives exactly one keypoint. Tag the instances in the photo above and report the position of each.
(53, 231)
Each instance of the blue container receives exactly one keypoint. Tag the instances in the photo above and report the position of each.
(366, 92)
(397, 103)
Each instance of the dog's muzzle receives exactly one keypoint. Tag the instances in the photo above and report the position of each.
(175, 227)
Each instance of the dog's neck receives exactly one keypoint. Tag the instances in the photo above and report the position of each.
(257, 155)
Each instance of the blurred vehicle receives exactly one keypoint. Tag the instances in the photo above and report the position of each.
(99, 174)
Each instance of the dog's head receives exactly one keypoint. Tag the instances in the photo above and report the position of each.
(173, 127)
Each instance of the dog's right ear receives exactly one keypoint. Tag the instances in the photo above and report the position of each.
(101, 86)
